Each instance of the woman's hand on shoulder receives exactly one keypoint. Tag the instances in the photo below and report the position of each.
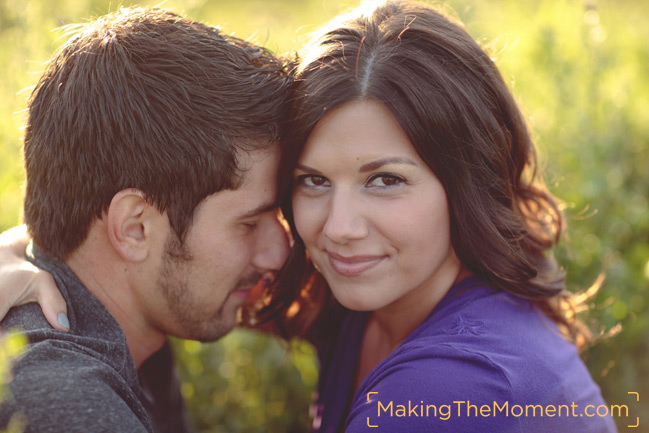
(22, 283)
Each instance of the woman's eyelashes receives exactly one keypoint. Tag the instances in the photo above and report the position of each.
(377, 181)
(385, 181)
(312, 181)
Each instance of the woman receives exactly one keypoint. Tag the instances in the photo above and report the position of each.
(414, 191)
(422, 265)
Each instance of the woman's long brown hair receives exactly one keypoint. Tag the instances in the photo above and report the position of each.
(452, 102)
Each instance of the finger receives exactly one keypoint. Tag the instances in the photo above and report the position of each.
(52, 303)
(4, 309)
(14, 290)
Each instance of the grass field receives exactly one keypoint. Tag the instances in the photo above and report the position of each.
(579, 69)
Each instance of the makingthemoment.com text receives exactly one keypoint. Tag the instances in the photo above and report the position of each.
(465, 408)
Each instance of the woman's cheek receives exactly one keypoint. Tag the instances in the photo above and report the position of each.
(304, 217)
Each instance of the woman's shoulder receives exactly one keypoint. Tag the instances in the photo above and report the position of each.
(507, 335)
(476, 316)
(454, 387)
(480, 348)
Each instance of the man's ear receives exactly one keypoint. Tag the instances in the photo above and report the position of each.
(129, 221)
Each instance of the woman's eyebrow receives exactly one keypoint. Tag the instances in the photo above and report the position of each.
(307, 169)
(370, 166)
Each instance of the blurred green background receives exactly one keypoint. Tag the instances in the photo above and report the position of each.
(580, 71)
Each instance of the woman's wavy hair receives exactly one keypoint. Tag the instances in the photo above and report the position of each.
(450, 99)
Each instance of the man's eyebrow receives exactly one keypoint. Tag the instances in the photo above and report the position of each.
(262, 208)
(370, 166)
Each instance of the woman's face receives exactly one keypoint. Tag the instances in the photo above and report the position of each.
(371, 213)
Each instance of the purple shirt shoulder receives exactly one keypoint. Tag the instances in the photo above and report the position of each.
(483, 360)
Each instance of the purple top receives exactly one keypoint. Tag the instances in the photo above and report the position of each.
(483, 360)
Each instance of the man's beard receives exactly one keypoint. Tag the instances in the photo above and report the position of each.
(174, 286)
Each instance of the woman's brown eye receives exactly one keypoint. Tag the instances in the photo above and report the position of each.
(312, 181)
(385, 181)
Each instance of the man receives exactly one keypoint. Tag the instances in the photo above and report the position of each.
(151, 157)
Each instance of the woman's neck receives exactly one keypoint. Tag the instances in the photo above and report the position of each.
(388, 327)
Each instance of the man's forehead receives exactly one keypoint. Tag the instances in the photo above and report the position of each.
(257, 153)
(257, 192)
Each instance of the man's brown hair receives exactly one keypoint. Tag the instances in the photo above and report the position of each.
(144, 99)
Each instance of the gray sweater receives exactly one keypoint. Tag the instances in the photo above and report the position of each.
(85, 380)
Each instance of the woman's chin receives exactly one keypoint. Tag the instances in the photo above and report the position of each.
(356, 303)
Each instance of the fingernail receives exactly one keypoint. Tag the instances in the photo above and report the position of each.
(63, 321)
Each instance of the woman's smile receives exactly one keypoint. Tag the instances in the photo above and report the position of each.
(352, 266)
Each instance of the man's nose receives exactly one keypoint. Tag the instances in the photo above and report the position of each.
(271, 245)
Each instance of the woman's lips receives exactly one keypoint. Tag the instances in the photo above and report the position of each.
(354, 265)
